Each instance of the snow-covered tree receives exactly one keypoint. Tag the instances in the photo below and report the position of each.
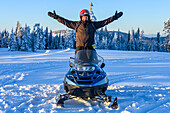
(19, 33)
(167, 33)
(26, 39)
(4, 39)
(109, 41)
(42, 39)
(1, 39)
(35, 36)
(137, 34)
(12, 42)
(46, 38)
(114, 42)
(103, 44)
(168, 46)
(152, 45)
(50, 36)
(33, 42)
(132, 40)
(158, 43)
(105, 38)
(123, 43)
(92, 17)
(128, 42)
(118, 43)
(37, 31)
(70, 38)
(167, 28)
(99, 38)
(141, 42)
(61, 41)
(55, 42)
(59, 38)
(23, 40)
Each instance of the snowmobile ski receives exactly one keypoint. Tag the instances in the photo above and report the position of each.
(114, 105)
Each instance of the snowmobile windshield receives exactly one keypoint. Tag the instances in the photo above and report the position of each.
(87, 56)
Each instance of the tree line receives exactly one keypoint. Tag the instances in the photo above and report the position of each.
(25, 39)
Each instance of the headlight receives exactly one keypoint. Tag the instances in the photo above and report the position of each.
(85, 68)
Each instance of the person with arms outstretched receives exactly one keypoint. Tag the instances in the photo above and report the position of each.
(85, 28)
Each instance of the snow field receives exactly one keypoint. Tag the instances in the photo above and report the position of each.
(30, 82)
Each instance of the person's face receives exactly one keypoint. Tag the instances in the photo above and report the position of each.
(85, 18)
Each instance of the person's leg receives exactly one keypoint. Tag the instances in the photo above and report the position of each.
(76, 51)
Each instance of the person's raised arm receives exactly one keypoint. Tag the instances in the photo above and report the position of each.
(68, 23)
(99, 24)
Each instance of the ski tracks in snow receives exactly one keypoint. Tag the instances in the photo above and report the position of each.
(141, 99)
(7, 79)
(29, 98)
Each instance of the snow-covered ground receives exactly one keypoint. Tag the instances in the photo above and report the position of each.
(30, 82)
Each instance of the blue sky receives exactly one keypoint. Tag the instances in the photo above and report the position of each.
(148, 15)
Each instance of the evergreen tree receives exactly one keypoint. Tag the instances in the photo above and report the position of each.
(106, 38)
(128, 42)
(132, 41)
(1, 39)
(37, 33)
(141, 43)
(59, 38)
(167, 33)
(123, 43)
(74, 39)
(4, 39)
(41, 39)
(158, 42)
(168, 46)
(50, 40)
(33, 44)
(18, 33)
(152, 46)
(46, 38)
(12, 42)
(109, 42)
(26, 39)
(118, 42)
(55, 42)
(92, 17)
(99, 38)
(61, 41)
(137, 40)
(167, 28)
(114, 42)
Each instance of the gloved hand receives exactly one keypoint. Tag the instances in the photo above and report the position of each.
(117, 15)
(53, 15)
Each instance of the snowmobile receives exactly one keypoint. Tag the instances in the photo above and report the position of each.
(86, 79)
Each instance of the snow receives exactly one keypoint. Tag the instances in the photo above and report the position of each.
(30, 82)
